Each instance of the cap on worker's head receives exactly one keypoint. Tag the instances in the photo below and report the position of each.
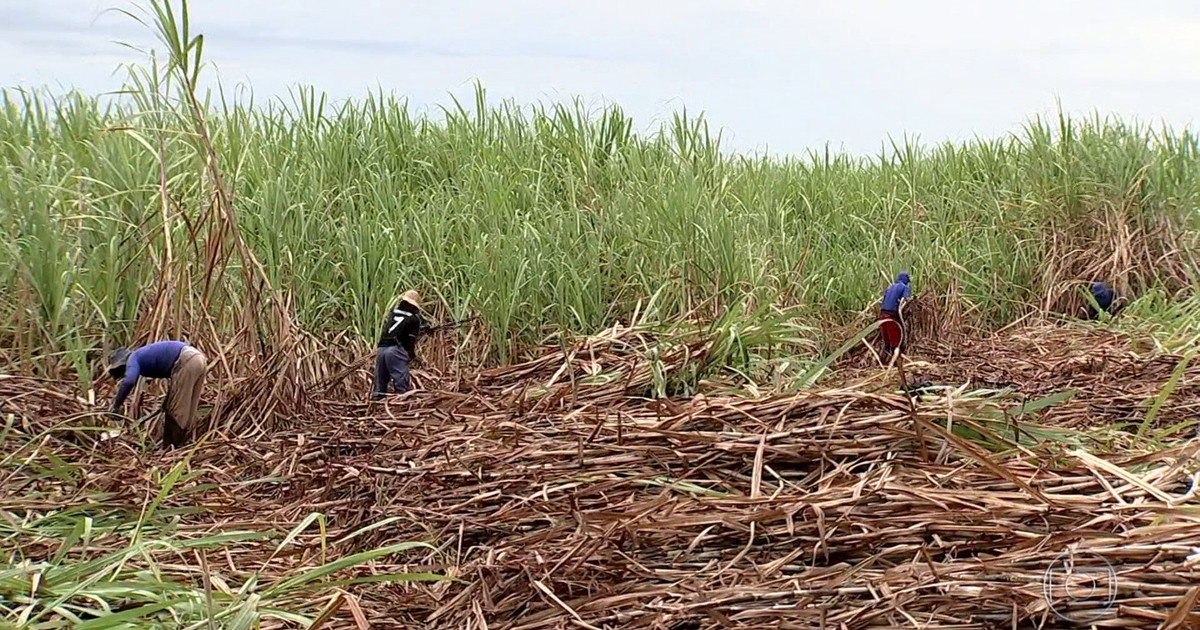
(903, 277)
(412, 297)
(118, 360)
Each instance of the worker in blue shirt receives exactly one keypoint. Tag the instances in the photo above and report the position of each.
(178, 361)
(1103, 294)
(892, 325)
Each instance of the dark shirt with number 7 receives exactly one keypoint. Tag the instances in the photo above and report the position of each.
(401, 328)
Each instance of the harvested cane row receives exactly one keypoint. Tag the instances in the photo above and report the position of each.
(709, 517)
(1112, 381)
(556, 501)
(1099, 376)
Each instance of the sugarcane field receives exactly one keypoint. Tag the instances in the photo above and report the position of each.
(343, 364)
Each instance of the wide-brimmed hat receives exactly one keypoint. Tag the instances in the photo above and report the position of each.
(118, 359)
(412, 297)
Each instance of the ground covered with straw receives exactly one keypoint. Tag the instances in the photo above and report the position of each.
(726, 452)
(1026, 482)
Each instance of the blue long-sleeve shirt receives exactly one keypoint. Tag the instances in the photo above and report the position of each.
(155, 360)
(897, 291)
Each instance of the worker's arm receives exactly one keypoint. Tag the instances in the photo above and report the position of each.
(132, 373)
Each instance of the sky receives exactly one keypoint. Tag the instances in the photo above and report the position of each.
(779, 76)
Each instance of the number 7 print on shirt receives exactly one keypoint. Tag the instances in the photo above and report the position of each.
(398, 317)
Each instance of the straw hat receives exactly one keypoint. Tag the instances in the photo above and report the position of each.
(412, 297)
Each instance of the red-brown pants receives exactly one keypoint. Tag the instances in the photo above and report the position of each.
(891, 329)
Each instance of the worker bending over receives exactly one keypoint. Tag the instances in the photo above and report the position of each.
(185, 367)
(1103, 294)
(892, 325)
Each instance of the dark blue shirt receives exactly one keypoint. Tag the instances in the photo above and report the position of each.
(894, 293)
(1103, 294)
(152, 361)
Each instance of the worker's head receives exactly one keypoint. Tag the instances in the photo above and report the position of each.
(902, 278)
(412, 298)
(117, 362)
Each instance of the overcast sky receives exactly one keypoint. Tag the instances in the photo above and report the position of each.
(782, 75)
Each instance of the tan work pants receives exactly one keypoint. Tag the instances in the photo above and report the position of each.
(183, 396)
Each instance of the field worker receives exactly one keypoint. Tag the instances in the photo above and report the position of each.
(892, 326)
(397, 345)
(1103, 294)
(178, 361)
